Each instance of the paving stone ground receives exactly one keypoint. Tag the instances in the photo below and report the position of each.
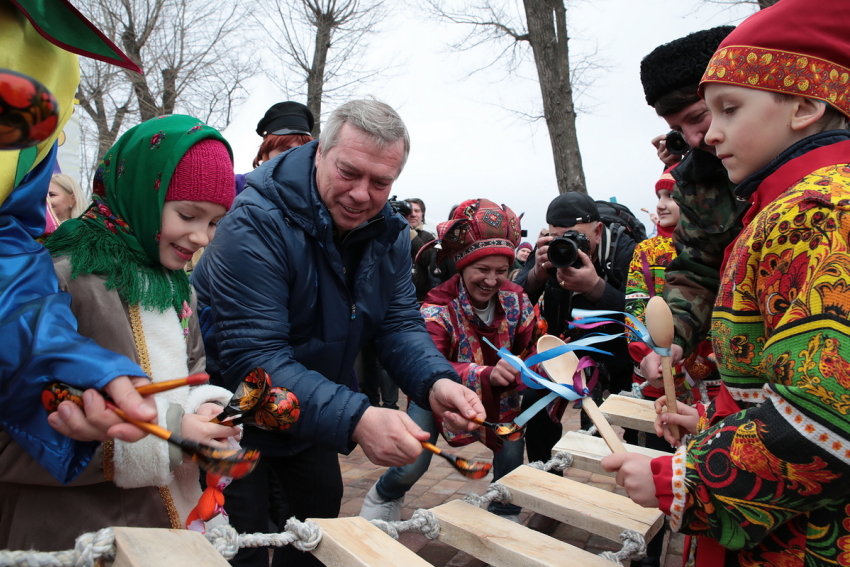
(443, 484)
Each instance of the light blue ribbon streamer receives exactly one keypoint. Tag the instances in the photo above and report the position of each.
(533, 380)
(640, 332)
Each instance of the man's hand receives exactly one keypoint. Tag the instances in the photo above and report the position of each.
(635, 475)
(538, 274)
(94, 422)
(580, 280)
(389, 437)
(686, 418)
(457, 404)
(650, 366)
(664, 154)
(503, 374)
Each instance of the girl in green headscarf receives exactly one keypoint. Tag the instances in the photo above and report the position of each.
(158, 195)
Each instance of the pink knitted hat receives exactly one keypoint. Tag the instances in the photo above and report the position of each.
(205, 173)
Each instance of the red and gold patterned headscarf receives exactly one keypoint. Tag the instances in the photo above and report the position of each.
(797, 47)
(478, 228)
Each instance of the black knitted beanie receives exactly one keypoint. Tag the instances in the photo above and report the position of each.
(679, 63)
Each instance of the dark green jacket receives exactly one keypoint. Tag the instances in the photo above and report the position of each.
(710, 221)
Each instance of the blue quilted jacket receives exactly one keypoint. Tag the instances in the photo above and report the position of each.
(273, 292)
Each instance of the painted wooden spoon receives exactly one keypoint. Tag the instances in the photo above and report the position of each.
(561, 370)
(469, 469)
(659, 323)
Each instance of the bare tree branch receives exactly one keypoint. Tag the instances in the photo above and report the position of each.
(192, 56)
(323, 43)
(530, 31)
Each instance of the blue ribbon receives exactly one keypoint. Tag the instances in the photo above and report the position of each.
(639, 333)
(533, 380)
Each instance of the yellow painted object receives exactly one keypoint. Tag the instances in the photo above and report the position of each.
(24, 50)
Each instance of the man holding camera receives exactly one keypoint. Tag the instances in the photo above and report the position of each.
(566, 272)
(711, 216)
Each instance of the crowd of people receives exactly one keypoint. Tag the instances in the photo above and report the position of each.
(306, 268)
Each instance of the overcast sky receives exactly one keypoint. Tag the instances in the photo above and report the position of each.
(467, 143)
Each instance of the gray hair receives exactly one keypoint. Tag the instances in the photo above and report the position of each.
(372, 117)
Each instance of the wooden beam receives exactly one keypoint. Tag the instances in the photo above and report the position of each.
(154, 547)
(588, 450)
(355, 542)
(593, 509)
(631, 413)
(501, 542)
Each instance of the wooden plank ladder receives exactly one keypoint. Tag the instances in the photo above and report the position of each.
(588, 450)
(501, 542)
(631, 413)
(496, 540)
(592, 509)
(356, 542)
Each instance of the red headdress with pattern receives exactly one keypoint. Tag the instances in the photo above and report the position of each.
(797, 47)
(478, 228)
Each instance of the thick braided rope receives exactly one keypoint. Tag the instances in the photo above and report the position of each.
(88, 548)
(703, 391)
(560, 461)
(591, 431)
(495, 492)
(636, 391)
(634, 547)
(303, 536)
(422, 522)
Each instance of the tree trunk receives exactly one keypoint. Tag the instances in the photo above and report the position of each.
(169, 90)
(547, 30)
(147, 103)
(766, 3)
(316, 75)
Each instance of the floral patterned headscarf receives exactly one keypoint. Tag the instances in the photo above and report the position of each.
(118, 235)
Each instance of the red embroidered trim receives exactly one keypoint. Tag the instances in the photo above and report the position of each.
(779, 71)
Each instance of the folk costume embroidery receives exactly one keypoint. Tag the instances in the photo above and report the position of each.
(773, 477)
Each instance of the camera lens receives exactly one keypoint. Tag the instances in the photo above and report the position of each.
(563, 252)
(676, 143)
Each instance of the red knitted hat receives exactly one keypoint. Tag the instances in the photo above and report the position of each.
(478, 228)
(205, 173)
(797, 47)
(666, 181)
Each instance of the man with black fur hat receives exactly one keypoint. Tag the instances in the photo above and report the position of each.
(593, 285)
(710, 213)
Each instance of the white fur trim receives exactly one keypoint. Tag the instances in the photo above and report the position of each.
(146, 462)
(204, 393)
(186, 489)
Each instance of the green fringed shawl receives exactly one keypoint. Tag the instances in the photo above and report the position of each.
(118, 236)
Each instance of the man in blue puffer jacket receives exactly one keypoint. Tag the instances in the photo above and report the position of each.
(310, 265)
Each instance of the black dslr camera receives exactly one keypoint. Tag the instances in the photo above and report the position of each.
(563, 250)
(676, 143)
(401, 207)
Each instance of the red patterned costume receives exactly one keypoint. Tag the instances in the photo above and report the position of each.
(766, 476)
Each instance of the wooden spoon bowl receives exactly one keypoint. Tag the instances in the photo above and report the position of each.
(561, 370)
(659, 323)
